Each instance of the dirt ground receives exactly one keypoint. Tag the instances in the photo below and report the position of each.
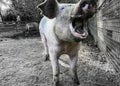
(22, 64)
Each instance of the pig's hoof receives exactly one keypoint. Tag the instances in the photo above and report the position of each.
(47, 57)
(56, 83)
(76, 81)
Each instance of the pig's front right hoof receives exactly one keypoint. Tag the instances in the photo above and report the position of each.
(47, 57)
(56, 83)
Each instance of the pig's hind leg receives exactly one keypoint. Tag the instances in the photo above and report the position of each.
(44, 40)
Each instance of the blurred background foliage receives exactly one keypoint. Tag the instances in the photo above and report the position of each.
(26, 9)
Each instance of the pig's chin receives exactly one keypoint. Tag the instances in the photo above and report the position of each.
(76, 34)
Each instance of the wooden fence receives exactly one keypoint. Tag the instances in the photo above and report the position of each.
(105, 28)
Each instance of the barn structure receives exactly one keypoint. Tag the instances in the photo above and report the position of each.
(105, 28)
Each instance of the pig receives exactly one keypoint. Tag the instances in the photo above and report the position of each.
(62, 27)
(31, 27)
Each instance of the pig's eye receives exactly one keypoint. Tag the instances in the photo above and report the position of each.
(62, 8)
(83, 4)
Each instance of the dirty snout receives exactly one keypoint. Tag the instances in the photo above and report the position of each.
(78, 28)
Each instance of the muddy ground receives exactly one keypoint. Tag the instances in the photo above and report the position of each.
(22, 64)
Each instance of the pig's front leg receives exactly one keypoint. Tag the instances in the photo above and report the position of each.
(55, 66)
(73, 68)
(44, 40)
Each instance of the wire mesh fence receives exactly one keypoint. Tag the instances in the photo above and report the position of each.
(105, 28)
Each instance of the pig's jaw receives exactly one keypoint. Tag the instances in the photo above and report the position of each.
(76, 34)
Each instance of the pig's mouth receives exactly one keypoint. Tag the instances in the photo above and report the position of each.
(78, 29)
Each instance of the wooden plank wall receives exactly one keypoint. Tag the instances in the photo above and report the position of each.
(105, 28)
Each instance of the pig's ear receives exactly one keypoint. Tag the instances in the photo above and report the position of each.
(49, 8)
(92, 8)
(88, 7)
(82, 7)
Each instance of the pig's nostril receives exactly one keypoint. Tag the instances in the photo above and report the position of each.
(82, 27)
(73, 23)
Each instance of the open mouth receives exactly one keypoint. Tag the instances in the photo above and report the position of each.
(77, 28)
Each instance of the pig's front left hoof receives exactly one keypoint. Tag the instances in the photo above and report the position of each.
(47, 57)
(76, 81)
